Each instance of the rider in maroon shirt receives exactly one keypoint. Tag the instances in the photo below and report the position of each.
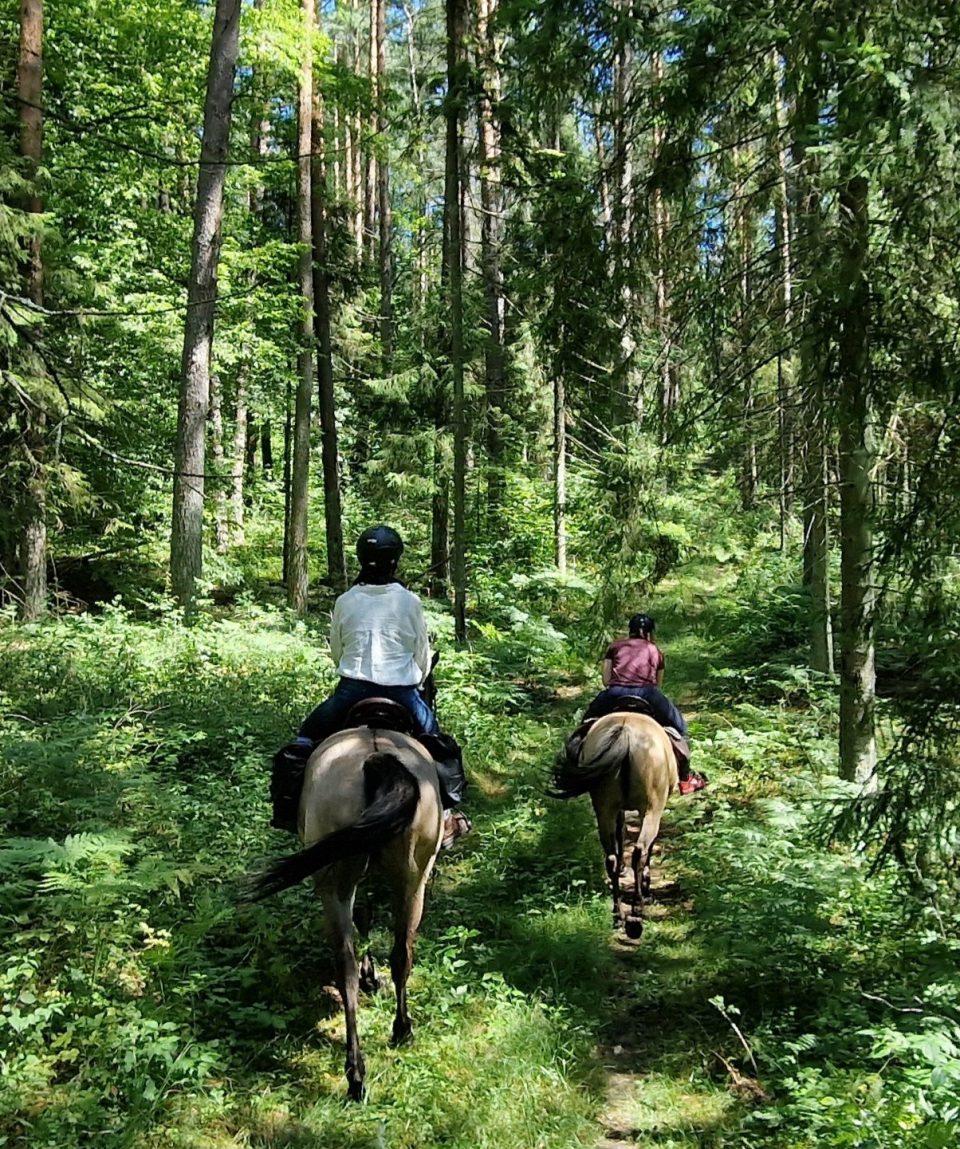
(633, 667)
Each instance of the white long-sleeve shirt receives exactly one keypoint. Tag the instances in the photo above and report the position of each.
(379, 634)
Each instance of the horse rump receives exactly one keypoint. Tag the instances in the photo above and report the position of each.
(391, 795)
(573, 775)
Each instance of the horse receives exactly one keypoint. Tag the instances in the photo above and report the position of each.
(625, 762)
(368, 793)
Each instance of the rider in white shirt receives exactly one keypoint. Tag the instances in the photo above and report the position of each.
(379, 641)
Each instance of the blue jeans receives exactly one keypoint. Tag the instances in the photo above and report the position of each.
(330, 716)
(662, 709)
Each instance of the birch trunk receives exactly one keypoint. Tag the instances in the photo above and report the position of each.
(33, 492)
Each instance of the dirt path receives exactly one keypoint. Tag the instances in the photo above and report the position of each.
(663, 1078)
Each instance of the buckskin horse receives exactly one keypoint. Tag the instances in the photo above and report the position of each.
(625, 762)
(368, 794)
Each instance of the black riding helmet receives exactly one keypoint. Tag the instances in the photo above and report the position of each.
(379, 546)
(641, 624)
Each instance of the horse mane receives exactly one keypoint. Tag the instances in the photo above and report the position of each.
(571, 778)
(391, 793)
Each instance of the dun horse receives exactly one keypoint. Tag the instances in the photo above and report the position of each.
(626, 762)
(367, 794)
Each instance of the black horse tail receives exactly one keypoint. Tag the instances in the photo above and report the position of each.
(578, 776)
(392, 795)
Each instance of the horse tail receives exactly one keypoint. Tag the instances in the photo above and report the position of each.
(392, 794)
(571, 778)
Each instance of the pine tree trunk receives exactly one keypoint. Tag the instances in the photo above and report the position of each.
(812, 381)
(858, 753)
(186, 540)
(623, 67)
(33, 492)
(491, 203)
(326, 395)
(456, 91)
(370, 158)
(785, 397)
(385, 252)
(300, 478)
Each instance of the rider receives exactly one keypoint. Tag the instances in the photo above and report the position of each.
(633, 667)
(378, 638)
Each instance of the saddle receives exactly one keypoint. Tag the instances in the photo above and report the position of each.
(380, 714)
(385, 714)
(290, 763)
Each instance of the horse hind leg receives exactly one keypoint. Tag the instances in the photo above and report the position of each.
(610, 828)
(408, 911)
(338, 914)
(649, 829)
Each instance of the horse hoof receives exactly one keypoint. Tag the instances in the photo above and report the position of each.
(402, 1034)
(355, 1090)
(633, 928)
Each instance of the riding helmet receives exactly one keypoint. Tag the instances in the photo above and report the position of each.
(379, 546)
(641, 624)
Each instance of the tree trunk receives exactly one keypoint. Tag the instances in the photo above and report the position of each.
(490, 240)
(287, 473)
(238, 456)
(186, 540)
(33, 493)
(858, 754)
(216, 443)
(326, 396)
(385, 254)
(560, 474)
(784, 238)
(370, 163)
(266, 448)
(456, 92)
(300, 479)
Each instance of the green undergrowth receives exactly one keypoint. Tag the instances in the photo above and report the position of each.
(780, 996)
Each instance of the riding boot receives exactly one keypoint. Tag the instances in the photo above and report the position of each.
(286, 783)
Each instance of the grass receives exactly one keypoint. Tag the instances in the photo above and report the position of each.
(143, 1007)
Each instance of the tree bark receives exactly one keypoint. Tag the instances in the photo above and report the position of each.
(385, 253)
(238, 456)
(560, 474)
(186, 541)
(456, 91)
(33, 492)
(814, 334)
(491, 204)
(300, 478)
(858, 753)
(220, 534)
(370, 160)
(326, 395)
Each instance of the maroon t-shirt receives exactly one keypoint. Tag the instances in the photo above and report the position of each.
(635, 662)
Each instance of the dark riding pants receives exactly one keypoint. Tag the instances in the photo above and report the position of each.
(662, 709)
(331, 715)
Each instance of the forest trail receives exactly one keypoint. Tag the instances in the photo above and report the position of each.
(665, 1080)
